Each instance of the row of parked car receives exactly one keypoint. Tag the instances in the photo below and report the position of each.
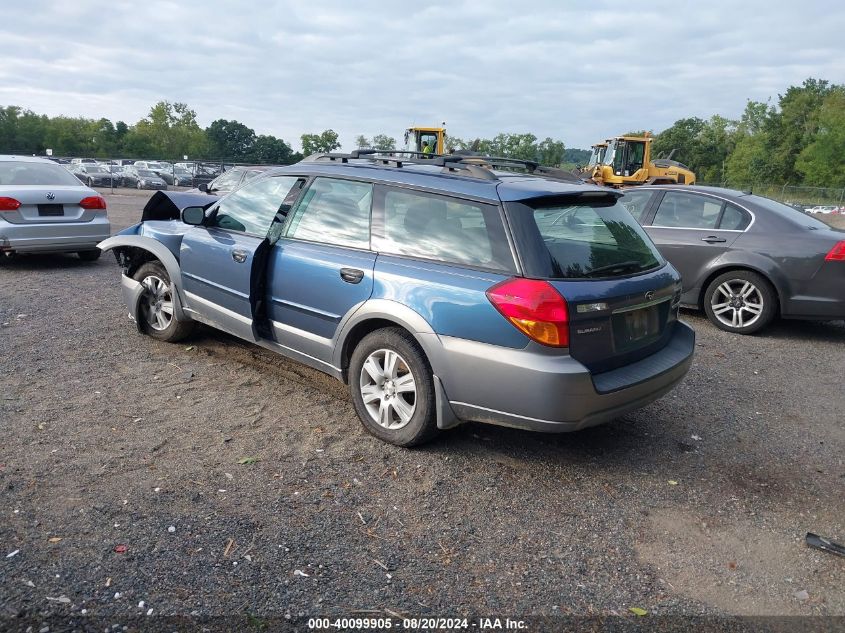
(158, 175)
(825, 210)
(444, 291)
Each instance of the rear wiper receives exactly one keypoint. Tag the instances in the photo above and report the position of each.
(621, 267)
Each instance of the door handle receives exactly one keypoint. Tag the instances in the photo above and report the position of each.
(712, 239)
(351, 275)
(239, 256)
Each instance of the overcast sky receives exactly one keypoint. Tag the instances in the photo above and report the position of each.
(574, 71)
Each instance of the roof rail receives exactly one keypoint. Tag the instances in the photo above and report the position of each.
(476, 166)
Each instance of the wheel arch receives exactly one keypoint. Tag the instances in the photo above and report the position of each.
(376, 314)
(133, 251)
(381, 313)
(728, 267)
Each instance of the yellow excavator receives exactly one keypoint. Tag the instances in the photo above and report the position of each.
(433, 137)
(627, 161)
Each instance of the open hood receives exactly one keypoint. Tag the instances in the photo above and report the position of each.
(168, 205)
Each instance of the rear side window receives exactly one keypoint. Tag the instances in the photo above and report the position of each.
(32, 173)
(733, 218)
(636, 202)
(580, 238)
(443, 229)
(689, 211)
(334, 211)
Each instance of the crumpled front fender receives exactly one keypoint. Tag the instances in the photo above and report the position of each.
(161, 253)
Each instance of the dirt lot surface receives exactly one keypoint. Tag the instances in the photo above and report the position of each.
(239, 482)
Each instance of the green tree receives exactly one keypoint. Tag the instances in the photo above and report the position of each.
(384, 142)
(230, 140)
(550, 152)
(272, 150)
(362, 141)
(319, 143)
(822, 162)
(171, 130)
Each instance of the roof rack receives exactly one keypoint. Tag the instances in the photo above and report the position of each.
(476, 166)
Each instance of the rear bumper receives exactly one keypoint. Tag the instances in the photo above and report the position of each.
(538, 390)
(53, 237)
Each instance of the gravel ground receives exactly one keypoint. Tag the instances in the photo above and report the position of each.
(242, 483)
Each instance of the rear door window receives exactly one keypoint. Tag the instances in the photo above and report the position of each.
(688, 211)
(733, 218)
(637, 202)
(334, 211)
(580, 238)
(443, 229)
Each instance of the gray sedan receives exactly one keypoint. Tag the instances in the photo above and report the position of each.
(744, 259)
(43, 207)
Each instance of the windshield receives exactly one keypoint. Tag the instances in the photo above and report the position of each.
(579, 238)
(609, 153)
(146, 173)
(94, 169)
(597, 155)
(26, 173)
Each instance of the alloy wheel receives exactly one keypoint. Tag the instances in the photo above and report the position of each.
(157, 303)
(737, 303)
(388, 389)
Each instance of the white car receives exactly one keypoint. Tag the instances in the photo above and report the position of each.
(822, 209)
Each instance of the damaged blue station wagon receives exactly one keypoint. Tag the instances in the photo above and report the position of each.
(441, 290)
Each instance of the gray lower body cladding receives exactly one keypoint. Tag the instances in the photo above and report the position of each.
(542, 391)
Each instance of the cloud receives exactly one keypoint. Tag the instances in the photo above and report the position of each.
(571, 71)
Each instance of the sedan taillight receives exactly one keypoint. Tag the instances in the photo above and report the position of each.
(93, 203)
(9, 204)
(837, 253)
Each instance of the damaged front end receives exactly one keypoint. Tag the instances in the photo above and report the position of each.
(158, 236)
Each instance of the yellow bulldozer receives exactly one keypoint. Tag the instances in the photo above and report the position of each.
(627, 161)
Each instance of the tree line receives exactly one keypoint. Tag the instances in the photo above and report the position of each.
(799, 139)
(169, 131)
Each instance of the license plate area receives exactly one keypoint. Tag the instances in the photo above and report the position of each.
(51, 210)
(638, 327)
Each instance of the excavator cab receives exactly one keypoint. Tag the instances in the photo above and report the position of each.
(434, 137)
(627, 161)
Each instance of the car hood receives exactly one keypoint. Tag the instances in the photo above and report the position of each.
(168, 205)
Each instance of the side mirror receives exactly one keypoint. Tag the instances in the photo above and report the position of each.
(194, 216)
(203, 187)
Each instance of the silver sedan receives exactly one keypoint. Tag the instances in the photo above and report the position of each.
(44, 208)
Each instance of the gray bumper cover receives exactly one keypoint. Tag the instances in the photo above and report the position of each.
(539, 390)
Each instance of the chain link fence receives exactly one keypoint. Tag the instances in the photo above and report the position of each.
(800, 195)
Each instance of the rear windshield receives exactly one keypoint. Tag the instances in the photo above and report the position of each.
(581, 238)
(26, 173)
(787, 211)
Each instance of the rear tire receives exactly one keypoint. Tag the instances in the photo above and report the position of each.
(392, 388)
(156, 314)
(89, 256)
(740, 301)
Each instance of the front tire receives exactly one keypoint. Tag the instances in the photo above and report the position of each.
(740, 301)
(156, 314)
(392, 388)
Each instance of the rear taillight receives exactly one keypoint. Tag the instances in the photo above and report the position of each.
(836, 254)
(9, 204)
(535, 308)
(93, 203)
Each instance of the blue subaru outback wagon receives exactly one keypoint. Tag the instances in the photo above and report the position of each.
(442, 290)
